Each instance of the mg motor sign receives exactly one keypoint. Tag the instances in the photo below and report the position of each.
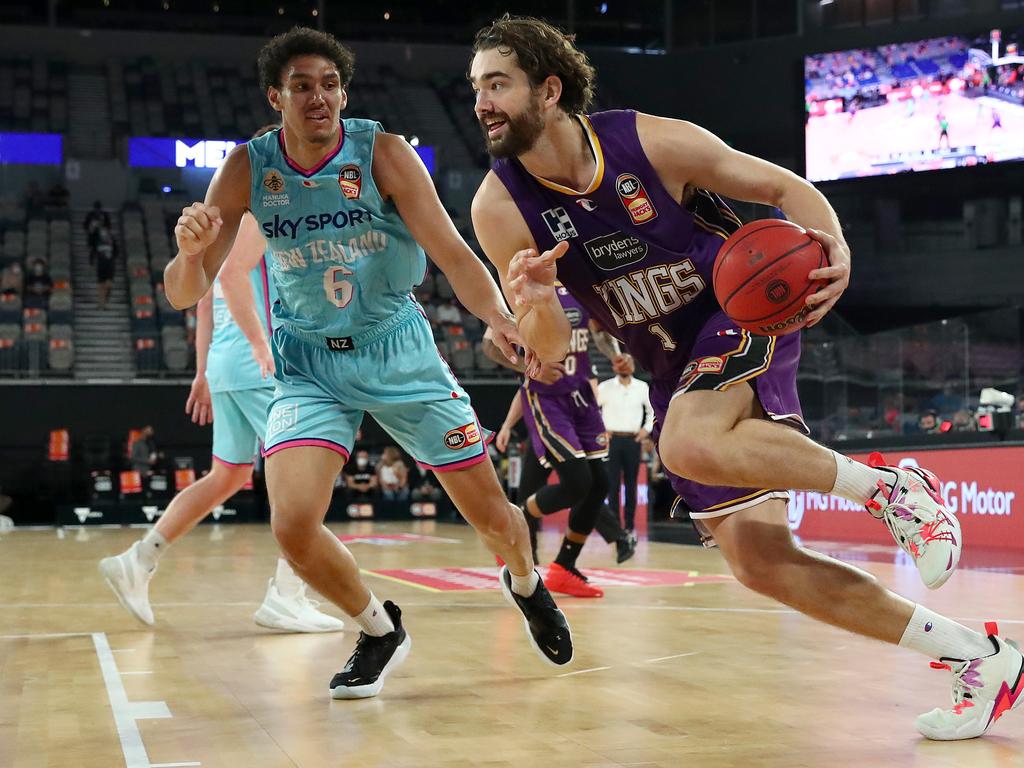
(984, 487)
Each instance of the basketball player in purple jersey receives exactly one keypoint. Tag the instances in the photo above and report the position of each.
(567, 434)
(623, 209)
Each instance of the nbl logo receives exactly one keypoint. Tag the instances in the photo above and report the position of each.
(559, 224)
(467, 434)
(628, 185)
(455, 440)
(777, 291)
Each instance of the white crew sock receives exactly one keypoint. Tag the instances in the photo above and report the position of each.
(939, 637)
(286, 580)
(857, 482)
(374, 620)
(524, 586)
(150, 548)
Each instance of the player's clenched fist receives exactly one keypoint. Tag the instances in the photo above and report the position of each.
(197, 228)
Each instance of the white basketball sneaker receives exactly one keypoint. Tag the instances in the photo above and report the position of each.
(295, 613)
(913, 510)
(130, 582)
(983, 690)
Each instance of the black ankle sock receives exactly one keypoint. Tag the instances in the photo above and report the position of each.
(568, 553)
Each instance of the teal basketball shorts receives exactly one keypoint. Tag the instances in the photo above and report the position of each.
(239, 422)
(392, 371)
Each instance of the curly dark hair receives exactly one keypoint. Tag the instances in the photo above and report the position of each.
(543, 50)
(302, 41)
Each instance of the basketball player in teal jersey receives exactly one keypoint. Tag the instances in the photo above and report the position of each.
(233, 389)
(345, 209)
(624, 209)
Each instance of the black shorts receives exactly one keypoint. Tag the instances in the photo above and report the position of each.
(104, 270)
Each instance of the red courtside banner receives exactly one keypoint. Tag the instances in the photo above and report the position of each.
(984, 487)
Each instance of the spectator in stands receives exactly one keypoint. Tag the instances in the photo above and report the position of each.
(12, 280)
(58, 196)
(448, 313)
(360, 478)
(34, 198)
(144, 456)
(96, 218)
(105, 255)
(963, 421)
(38, 286)
(393, 475)
(928, 423)
(425, 487)
(1020, 412)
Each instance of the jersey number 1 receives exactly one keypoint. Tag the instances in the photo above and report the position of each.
(339, 292)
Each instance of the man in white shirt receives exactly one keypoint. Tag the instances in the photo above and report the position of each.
(629, 418)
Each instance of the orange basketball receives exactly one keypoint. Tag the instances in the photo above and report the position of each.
(761, 273)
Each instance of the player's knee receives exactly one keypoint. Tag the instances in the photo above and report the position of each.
(499, 522)
(757, 573)
(230, 477)
(574, 477)
(293, 532)
(764, 569)
(692, 458)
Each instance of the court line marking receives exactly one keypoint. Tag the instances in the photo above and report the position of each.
(45, 635)
(401, 581)
(171, 765)
(127, 730)
(141, 672)
(675, 656)
(126, 712)
(680, 608)
(582, 671)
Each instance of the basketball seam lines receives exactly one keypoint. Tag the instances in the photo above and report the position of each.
(777, 259)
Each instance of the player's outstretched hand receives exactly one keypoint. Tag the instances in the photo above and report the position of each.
(623, 364)
(199, 405)
(264, 359)
(505, 334)
(837, 273)
(549, 373)
(531, 278)
(503, 438)
(197, 228)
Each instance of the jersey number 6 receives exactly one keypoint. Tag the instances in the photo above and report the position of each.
(339, 292)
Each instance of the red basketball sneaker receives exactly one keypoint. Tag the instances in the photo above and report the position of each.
(570, 582)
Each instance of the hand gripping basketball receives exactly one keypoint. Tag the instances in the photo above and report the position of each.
(197, 228)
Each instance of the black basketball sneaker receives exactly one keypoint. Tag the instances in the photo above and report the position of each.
(373, 659)
(546, 626)
(625, 547)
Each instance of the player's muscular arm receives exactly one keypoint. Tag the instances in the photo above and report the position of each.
(685, 153)
(205, 232)
(507, 242)
(198, 403)
(204, 332)
(401, 176)
(245, 255)
(490, 349)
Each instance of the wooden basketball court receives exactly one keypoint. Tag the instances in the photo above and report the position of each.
(671, 669)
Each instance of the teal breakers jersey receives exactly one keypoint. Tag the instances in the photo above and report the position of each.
(230, 366)
(341, 257)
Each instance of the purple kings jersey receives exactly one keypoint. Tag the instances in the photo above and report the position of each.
(577, 362)
(639, 262)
